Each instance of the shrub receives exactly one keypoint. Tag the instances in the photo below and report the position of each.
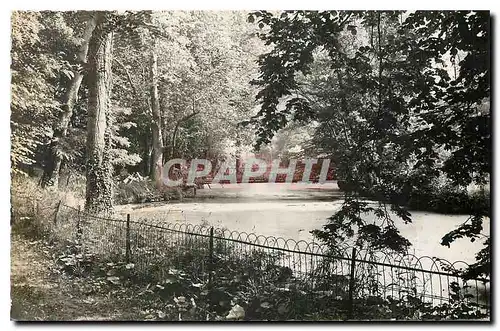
(450, 200)
(141, 190)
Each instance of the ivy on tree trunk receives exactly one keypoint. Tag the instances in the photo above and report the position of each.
(99, 193)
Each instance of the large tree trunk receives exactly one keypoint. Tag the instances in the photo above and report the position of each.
(157, 153)
(51, 170)
(99, 194)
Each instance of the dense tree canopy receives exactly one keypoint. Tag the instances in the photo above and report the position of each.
(205, 60)
(400, 102)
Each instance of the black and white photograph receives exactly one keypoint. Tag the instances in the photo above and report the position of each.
(250, 165)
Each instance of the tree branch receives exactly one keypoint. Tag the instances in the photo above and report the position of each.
(129, 77)
(177, 125)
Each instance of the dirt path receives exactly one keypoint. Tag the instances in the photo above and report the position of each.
(39, 293)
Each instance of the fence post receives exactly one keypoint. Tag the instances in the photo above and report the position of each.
(351, 285)
(127, 240)
(210, 257)
(210, 267)
(57, 211)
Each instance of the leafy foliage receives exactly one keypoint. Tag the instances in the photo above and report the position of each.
(41, 52)
(399, 100)
(246, 287)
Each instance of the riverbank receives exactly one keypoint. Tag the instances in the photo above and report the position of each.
(292, 210)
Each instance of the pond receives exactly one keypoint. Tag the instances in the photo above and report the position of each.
(292, 210)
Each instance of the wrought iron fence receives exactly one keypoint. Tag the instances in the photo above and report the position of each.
(209, 254)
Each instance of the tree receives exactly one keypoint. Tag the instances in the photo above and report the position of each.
(389, 112)
(42, 47)
(69, 98)
(204, 63)
(157, 153)
(204, 91)
(99, 168)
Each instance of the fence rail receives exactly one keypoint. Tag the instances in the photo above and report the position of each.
(211, 254)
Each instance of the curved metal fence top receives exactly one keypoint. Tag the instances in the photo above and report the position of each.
(412, 262)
